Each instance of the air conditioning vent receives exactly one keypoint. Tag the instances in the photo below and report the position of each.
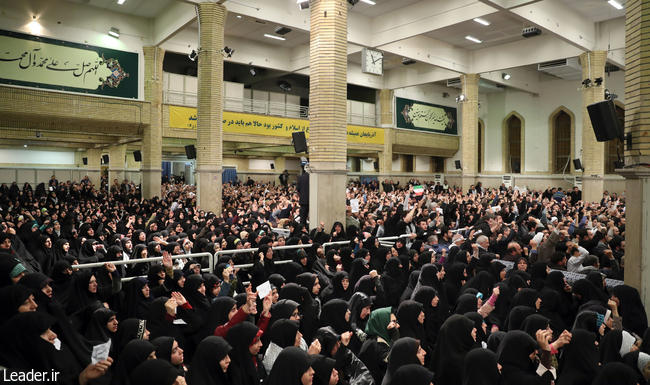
(552, 64)
(507, 180)
(567, 69)
(454, 82)
(280, 30)
(260, 22)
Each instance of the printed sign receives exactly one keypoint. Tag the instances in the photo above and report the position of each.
(423, 116)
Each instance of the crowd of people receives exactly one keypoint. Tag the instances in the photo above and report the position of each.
(423, 284)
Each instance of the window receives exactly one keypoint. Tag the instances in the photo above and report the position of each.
(513, 148)
(562, 142)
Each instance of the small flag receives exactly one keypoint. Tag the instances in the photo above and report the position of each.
(418, 190)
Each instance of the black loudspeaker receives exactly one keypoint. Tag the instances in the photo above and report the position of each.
(458, 165)
(376, 165)
(299, 141)
(190, 151)
(137, 155)
(85, 160)
(105, 157)
(605, 121)
(272, 166)
(577, 165)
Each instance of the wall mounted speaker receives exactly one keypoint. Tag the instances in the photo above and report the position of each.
(85, 160)
(190, 151)
(299, 141)
(137, 155)
(458, 165)
(105, 158)
(577, 165)
(605, 121)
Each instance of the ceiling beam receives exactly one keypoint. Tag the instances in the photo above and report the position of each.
(171, 20)
(431, 51)
(424, 17)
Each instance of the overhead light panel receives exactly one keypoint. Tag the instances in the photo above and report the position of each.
(114, 32)
(615, 4)
(121, 1)
(369, 2)
(481, 21)
(274, 37)
(505, 76)
(303, 4)
(474, 39)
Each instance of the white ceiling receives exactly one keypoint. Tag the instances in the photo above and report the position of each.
(248, 28)
(142, 8)
(381, 7)
(596, 10)
(503, 29)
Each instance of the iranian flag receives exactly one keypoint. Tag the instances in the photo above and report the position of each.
(418, 190)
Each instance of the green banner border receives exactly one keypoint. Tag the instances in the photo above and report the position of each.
(129, 61)
(400, 103)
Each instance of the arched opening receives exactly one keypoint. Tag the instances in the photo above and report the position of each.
(562, 142)
(514, 143)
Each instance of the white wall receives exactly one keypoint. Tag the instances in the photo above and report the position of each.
(260, 164)
(536, 111)
(36, 157)
(422, 163)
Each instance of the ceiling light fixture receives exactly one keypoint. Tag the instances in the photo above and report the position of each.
(369, 2)
(252, 69)
(615, 4)
(239, 16)
(274, 37)
(599, 81)
(121, 1)
(481, 21)
(505, 76)
(586, 83)
(474, 39)
(114, 32)
(461, 98)
(303, 4)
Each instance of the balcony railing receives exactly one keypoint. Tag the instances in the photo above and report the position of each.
(261, 107)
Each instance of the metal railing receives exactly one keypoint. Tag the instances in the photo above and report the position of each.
(251, 106)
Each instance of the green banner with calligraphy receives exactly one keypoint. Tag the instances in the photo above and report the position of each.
(421, 116)
(35, 61)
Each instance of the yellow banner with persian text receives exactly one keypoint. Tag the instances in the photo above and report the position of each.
(236, 122)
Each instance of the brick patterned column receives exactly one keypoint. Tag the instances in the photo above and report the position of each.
(386, 112)
(327, 110)
(209, 135)
(637, 179)
(94, 167)
(469, 139)
(152, 136)
(117, 163)
(593, 152)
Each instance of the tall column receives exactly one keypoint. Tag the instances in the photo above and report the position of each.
(469, 139)
(593, 152)
(152, 136)
(327, 102)
(117, 163)
(209, 135)
(637, 183)
(94, 167)
(386, 156)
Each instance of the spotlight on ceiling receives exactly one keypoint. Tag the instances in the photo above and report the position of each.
(284, 85)
(303, 4)
(252, 69)
(114, 32)
(586, 83)
(461, 98)
(193, 55)
(615, 4)
(610, 96)
(227, 52)
(599, 81)
(505, 76)
(120, 1)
